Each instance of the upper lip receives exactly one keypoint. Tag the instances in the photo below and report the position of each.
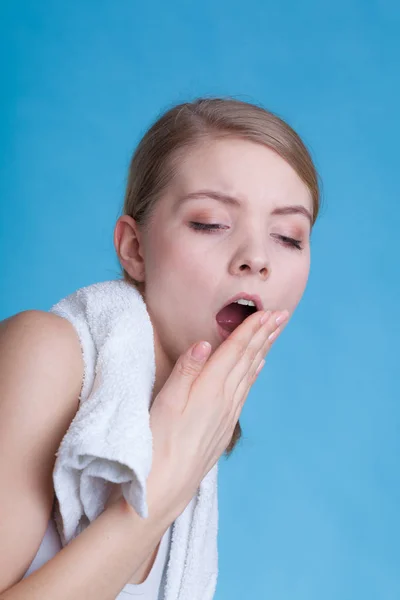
(254, 297)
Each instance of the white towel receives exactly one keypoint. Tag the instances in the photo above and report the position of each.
(110, 440)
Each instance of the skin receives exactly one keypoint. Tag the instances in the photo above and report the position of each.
(187, 275)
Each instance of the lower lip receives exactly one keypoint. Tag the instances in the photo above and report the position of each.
(223, 333)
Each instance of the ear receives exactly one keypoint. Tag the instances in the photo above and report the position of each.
(127, 243)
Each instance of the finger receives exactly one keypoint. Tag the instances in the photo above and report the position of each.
(186, 370)
(252, 356)
(242, 391)
(226, 356)
(267, 339)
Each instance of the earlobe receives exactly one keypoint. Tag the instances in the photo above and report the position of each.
(127, 244)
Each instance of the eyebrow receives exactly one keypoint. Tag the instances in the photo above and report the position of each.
(296, 209)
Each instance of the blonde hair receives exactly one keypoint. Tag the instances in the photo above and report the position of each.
(156, 159)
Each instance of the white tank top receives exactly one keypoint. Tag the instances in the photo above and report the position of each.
(148, 590)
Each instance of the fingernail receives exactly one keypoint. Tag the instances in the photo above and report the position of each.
(200, 351)
(260, 366)
(274, 335)
(265, 317)
(282, 318)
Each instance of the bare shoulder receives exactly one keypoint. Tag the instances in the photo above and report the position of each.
(35, 321)
(41, 371)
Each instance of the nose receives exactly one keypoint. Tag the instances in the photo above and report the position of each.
(252, 260)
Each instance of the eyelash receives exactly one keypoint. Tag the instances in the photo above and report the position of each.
(208, 228)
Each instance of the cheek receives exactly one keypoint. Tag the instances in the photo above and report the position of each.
(293, 284)
(178, 260)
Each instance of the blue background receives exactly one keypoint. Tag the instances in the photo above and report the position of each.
(309, 501)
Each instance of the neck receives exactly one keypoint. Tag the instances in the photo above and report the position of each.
(164, 368)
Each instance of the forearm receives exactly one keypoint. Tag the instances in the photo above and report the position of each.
(101, 560)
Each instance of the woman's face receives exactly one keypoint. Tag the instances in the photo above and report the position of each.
(189, 274)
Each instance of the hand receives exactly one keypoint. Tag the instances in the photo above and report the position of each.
(193, 416)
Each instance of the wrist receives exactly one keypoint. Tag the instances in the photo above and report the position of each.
(166, 498)
(160, 514)
(161, 506)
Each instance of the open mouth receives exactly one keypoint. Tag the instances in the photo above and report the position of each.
(232, 315)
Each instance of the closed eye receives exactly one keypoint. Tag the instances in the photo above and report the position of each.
(289, 242)
(206, 226)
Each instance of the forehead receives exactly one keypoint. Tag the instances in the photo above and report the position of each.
(243, 168)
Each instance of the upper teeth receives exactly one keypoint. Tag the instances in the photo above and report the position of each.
(245, 302)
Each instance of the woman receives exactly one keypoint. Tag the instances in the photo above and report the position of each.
(220, 202)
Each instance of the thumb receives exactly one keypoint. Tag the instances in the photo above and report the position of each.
(189, 364)
(199, 352)
(186, 369)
